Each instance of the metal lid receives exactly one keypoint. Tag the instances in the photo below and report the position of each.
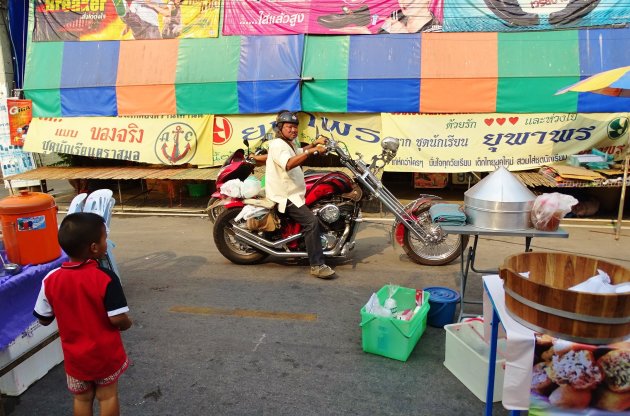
(500, 186)
(26, 202)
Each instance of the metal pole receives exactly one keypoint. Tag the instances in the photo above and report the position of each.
(623, 186)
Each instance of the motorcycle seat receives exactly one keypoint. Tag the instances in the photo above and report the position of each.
(260, 202)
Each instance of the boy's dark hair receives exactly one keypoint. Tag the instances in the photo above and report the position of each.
(78, 231)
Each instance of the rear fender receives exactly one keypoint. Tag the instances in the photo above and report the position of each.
(233, 203)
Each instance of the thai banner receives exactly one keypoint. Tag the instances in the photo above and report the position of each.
(271, 17)
(520, 15)
(357, 131)
(95, 20)
(20, 115)
(13, 159)
(481, 142)
(162, 139)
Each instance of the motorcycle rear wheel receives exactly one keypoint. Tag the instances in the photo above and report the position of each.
(214, 212)
(228, 245)
(444, 251)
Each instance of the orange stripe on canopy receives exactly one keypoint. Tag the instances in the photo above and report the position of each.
(459, 55)
(459, 72)
(146, 99)
(464, 95)
(146, 62)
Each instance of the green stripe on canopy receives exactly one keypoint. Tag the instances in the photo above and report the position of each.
(326, 61)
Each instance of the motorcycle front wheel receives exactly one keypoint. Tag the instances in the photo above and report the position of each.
(227, 244)
(443, 249)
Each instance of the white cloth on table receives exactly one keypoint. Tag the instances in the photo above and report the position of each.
(519, 351)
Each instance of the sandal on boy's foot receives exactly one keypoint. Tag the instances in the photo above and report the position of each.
(322, 271)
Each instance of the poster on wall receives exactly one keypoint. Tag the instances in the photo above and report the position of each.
(359, 132)
(95, 20)
(13, 159)
(505, 16)
(442, 144)
(20, 115)
(579, 379)
(269, 17)
(160, 139)
(482, 142)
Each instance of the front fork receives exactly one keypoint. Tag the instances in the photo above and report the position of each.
(411, 210)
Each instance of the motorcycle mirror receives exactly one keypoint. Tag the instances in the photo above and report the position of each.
(390, 143)
(246, 143)
(268, 136)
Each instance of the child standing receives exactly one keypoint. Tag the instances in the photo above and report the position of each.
(91, 310)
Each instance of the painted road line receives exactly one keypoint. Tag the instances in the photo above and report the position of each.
(244, 313)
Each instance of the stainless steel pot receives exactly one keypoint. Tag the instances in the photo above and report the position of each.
(499, 202)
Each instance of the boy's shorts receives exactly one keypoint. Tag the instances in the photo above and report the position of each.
(77, 386)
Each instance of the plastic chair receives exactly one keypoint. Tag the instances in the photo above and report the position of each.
(77, 204)
(101, 202)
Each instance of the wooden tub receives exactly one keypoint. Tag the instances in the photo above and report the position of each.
(543, 302)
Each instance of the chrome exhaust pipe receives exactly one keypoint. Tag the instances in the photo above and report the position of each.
(274, 244)
(268, 247)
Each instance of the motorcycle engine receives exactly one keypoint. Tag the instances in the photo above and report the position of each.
(333, 214)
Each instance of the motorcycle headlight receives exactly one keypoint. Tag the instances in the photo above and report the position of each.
(329, 213)
(390, 144)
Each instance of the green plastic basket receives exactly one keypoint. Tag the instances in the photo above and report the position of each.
(391, 337)
(197, 190)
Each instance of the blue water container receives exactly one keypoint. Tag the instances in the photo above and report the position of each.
(442, 302)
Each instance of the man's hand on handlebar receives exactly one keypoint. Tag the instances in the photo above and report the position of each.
(321, 149)
(320, 140)
(258, 159)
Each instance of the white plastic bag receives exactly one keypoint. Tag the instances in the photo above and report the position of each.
(250, 188)
(549, 209)
(232, 188)
(374, 307)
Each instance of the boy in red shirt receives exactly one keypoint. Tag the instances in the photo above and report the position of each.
(91, 310)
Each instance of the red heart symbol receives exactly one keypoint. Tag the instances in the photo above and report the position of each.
(513, 120)
(489, 121)
(500, 121)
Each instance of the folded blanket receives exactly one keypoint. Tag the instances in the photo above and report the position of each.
(447, 214)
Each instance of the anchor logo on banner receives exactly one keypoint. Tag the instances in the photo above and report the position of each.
(176, 144)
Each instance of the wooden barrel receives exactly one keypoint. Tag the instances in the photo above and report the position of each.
(543, 302)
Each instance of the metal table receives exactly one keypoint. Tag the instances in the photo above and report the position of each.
(467, 263)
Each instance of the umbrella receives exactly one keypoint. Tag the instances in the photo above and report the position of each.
(615, 82)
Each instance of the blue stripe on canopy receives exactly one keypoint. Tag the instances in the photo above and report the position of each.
(603, 49)
(384, 56)
(96, 101)
(271, 58)
(268, 96)
(383, 95)
(89, 64)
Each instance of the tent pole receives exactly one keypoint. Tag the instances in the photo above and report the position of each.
(623, 188)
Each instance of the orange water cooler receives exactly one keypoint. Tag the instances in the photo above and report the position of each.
(29, 228)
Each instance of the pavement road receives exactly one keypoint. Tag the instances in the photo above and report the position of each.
(202, 343)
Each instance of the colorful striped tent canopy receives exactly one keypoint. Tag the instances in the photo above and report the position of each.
(226, 75)
(461, 72)
(428, 72)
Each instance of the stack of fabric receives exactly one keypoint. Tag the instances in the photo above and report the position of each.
(447, 214)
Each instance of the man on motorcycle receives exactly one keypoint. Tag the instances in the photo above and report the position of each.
(284, 184)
